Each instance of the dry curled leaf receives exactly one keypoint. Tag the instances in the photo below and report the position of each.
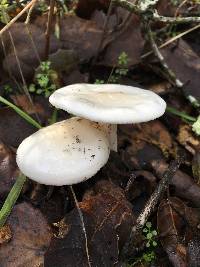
(30, 238)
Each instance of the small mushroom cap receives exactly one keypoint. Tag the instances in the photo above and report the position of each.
(109, 103)
(64, 153)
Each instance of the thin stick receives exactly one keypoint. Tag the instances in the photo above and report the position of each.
(151, 203)
(22, 77)
(172, 40)
(160, 57)
(153, 16)
(11, 199)
(83, 225)
(104, 30)
(48, 31)
(9, 24)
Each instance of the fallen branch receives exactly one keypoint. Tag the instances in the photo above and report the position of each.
(160, 57)
(146, 8)
(149, 207)
(48, 30)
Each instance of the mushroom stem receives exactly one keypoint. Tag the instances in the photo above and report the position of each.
(111, 132)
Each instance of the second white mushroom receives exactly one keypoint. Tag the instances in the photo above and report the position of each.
(109, 104)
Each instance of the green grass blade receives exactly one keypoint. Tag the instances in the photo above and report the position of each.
(180, 114)
(23, 114)
(11, 198)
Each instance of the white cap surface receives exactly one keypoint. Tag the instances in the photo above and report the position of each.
(109, 103)
(64, 153)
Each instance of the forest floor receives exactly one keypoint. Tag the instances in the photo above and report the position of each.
(143, 207)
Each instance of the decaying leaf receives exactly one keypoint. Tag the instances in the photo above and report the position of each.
(153, 132)
(13, 128)
(187, 138)
(107, 218)
(8, 169)
(30, 238)
(173, 225)
(129, 40)
(185, 63)
(40, 106)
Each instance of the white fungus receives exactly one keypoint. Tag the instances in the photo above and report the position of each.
(109, 104)
(65, 153)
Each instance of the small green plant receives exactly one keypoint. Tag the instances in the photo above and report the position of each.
(175, 2)
(149, 255)
(121, 70)
(7, 89)
(42, 6)
(97, 81)
(4, 18)
(44, 80)
(117, 73)
(150, 235)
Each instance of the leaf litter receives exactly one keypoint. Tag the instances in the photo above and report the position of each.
(45, 228)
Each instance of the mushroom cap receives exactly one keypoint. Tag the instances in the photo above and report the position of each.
(64, 153)
(109, 103)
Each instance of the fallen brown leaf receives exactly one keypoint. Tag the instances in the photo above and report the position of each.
(30, 238)
(8, 170)
(169, 225)
(107, 217)
(13, 128)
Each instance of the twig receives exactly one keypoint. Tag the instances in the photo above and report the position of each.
(10, 23)
(83, 225)
(22, 77)
(160, 57)
(144, 9)
(172, 40)
(27, 22)
(177, 20)
(48, 31)
(19, 67)
(151, 203)
(105, 26)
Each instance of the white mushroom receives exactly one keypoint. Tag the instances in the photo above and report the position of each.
(64, 153)
(109, 104)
